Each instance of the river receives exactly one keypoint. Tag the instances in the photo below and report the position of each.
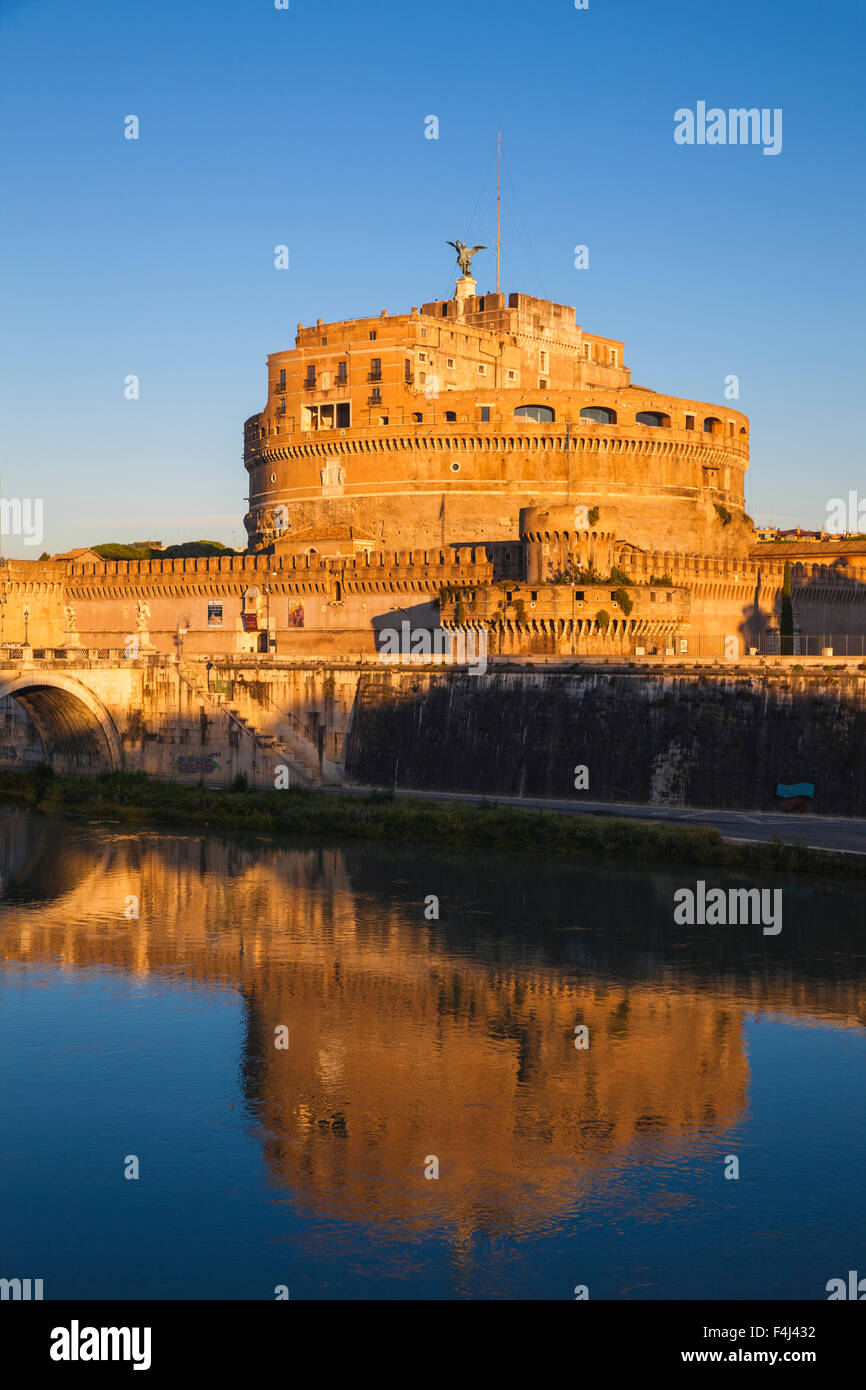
(235, 1065)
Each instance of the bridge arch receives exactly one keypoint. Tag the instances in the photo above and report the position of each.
(76, 730)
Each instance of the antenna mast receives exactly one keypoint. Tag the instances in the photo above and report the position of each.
(498, 204)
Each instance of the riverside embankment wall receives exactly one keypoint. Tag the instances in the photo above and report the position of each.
(698, 738)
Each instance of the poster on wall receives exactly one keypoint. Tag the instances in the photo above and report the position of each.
(214, 615)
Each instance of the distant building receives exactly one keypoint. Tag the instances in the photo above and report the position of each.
(82, 556)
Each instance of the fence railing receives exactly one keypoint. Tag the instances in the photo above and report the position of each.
(18, 652)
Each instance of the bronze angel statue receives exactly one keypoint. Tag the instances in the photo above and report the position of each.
(465, 254)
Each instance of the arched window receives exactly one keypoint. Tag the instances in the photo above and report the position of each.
(652, 417)
(417, 417)
(451, 416)
(712, 425)
(599, 413)
(541, 414)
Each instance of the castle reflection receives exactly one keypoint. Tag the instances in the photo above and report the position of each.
(453, 1037)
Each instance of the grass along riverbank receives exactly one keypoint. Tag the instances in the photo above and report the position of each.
(133, 797)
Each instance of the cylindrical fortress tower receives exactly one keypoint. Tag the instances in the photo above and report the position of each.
(560, 540)
(438, 427)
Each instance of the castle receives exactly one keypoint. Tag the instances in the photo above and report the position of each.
(436, 427)
(481, 463)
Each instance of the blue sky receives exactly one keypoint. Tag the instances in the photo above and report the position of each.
(306, 127)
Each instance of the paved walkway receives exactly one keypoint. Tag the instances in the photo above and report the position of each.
(819, 832)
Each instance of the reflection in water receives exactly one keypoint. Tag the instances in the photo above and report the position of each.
(453, 1038)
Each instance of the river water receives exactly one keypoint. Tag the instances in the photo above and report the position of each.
(417, 1044)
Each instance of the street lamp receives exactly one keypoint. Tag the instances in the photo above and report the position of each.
(26, 627)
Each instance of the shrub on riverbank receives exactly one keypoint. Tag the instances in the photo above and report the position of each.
(380, 815)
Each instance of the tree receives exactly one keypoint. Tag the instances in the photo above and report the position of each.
(786, 623)
(602, 620)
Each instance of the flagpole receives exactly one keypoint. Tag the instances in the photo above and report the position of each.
(498, 204)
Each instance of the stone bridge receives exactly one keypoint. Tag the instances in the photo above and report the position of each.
(96, 709)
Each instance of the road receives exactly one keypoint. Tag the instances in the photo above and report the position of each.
(838, 833)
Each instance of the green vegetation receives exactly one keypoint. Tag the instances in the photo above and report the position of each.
(602, 620)
(189, 549)
(618, 576)
(662, 581)
(786, 622)
(134, 797)
(593, 515)
(723, 514)
(623, 598)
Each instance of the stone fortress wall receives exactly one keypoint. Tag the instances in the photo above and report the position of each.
(335, 606)
(533, 483)
(443, 423)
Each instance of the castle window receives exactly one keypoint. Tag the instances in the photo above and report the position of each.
(512, 376)
(651, 417)
(485, 415)
(324, 342)
(408, 374)
(344, 415)
(712, 425)
(730, 427)
(422, 357)
(542, 384)
(311, 377)
(599, 413)
(418, 417)
(579, 595)
(614, 357)
(444, 311)
(451, 416)
(375, 369)
(541, 414)
(587, 351)
(690, 422)
(481, 302)
(482, 370)
(373, 336)
(533, 595)
(544, 360)
(423, 332)
(282, 378)
(450, 361)
(342, 374)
